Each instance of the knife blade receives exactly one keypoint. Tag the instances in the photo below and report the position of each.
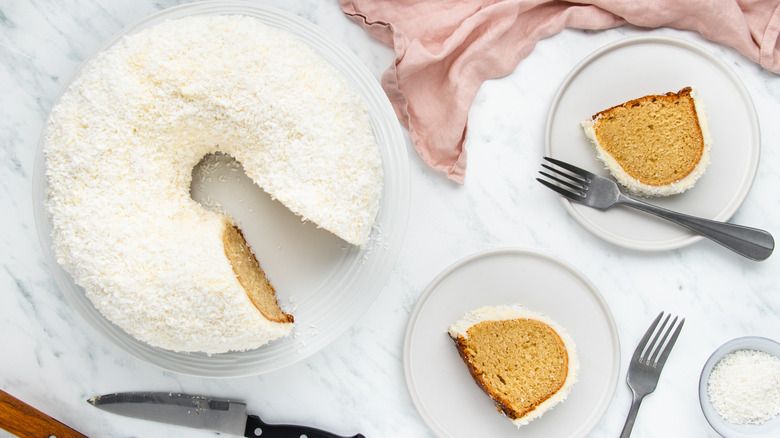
(201, 412)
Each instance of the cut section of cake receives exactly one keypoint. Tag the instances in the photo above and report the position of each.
(524, 361)
(251, 276)
(656, 145)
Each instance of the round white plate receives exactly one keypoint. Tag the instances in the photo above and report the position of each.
(444, 392)
(636, 67)
(767, 429)
(324, 282)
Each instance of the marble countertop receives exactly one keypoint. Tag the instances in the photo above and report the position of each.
(54, 361)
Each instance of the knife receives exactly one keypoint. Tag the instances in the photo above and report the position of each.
(201, 412)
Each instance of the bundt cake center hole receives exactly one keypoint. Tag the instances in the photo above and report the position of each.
(213, 170)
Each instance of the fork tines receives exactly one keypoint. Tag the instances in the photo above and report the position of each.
(656, 352)
(572, 181)
(584, 174)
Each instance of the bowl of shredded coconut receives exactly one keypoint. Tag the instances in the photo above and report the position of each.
(739, 388)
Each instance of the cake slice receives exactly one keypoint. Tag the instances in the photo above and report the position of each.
(524, 361)
(656, 145)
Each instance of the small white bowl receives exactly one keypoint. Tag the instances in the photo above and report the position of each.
(767, 429)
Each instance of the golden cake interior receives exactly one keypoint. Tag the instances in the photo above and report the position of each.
(520, 363)
(251, 276)
(656, 139)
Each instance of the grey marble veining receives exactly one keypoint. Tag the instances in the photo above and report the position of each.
(53, 360)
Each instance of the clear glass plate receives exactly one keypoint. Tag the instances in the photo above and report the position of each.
(326, 283)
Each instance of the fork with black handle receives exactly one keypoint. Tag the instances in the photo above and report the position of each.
(581, 186)
(646, 364)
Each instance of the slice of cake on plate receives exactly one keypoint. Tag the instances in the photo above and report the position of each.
(524, 361)
(656, 145)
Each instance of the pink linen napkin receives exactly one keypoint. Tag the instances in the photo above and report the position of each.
(445, 49)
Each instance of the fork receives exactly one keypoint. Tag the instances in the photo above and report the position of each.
(595, 191)
(646, 364)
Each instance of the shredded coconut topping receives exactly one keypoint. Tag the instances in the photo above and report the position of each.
(744, 387)
(123, 139)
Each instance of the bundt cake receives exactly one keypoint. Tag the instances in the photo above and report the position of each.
(120, 146)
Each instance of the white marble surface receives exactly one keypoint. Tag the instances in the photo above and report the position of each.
(52, 360)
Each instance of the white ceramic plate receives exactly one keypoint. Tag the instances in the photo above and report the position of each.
(444, 392)
(639, 66)
(326, 283)
(768, 429)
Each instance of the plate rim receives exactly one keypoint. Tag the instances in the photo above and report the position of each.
(726, 213)
(521, 252)
(196, 364)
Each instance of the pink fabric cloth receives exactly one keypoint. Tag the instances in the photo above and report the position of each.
(445, 49)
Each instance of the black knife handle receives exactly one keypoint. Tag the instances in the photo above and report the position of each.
(256, 428)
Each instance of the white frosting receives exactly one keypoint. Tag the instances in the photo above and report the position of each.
(517, 311)
(122, 142)
(633, 184)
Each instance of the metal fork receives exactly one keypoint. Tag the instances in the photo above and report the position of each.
(646, 364)
(595, 191)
